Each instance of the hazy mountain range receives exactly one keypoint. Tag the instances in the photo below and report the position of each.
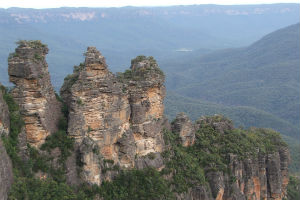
(122, 33)
(262, 78)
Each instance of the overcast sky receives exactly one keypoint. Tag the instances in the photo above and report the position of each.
(120, 3)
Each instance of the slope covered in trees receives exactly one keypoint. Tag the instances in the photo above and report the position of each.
(263, 77)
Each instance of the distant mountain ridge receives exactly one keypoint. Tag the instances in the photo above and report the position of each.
(264, 76)
(22, 15)
(123, 33)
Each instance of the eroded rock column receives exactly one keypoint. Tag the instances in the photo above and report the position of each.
(115, 120)
(28, 70)
(99, 114)
(185, 128)
(146, 94)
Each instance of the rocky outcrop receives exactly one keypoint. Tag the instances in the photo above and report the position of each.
(261, 177)
(6, 174)
(116, 118)
(146, 91)
(99, 113)
(184, 127)
(117, 123)
(34, 93)
(218, 122)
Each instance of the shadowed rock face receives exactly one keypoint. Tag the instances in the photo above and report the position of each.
(146, 92)
(264, 177)
(119, 116)
(6, 175)
(28, 70)
(183, 125)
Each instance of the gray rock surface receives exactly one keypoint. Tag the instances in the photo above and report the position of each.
(28, 70)
(121, 115)
(183, 125)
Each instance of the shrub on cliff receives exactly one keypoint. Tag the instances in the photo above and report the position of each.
(136, 185)
(293, 189)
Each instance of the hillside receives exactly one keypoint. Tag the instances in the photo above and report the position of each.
(123, 33)
(242, 116)
(263, 77)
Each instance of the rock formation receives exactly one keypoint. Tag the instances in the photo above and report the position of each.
(117, 122)
(34, 93)
(262, 177)
(146, 92)
(184, 127)
(121, 117)
(6, 174)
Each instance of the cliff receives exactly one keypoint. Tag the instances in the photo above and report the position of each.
(28, 70)
(117, 144)
(121, 117)
(262, 174)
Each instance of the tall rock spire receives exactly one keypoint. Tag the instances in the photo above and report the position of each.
(118, 116)
(28, 70)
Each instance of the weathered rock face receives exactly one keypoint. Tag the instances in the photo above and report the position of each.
(183, 125)
(255, 179)
(98, 108)
(6, 175)
(114, 118)
(263, 177)
(146, 94)
(34, 93)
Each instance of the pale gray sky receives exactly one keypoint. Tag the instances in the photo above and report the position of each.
(120, 3)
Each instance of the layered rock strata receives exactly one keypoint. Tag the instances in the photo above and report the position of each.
(114, 118)
(28, 70)
(262, 177)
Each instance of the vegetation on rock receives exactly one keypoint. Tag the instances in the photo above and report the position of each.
(293, 189)
(188, 166)
(31, 43)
